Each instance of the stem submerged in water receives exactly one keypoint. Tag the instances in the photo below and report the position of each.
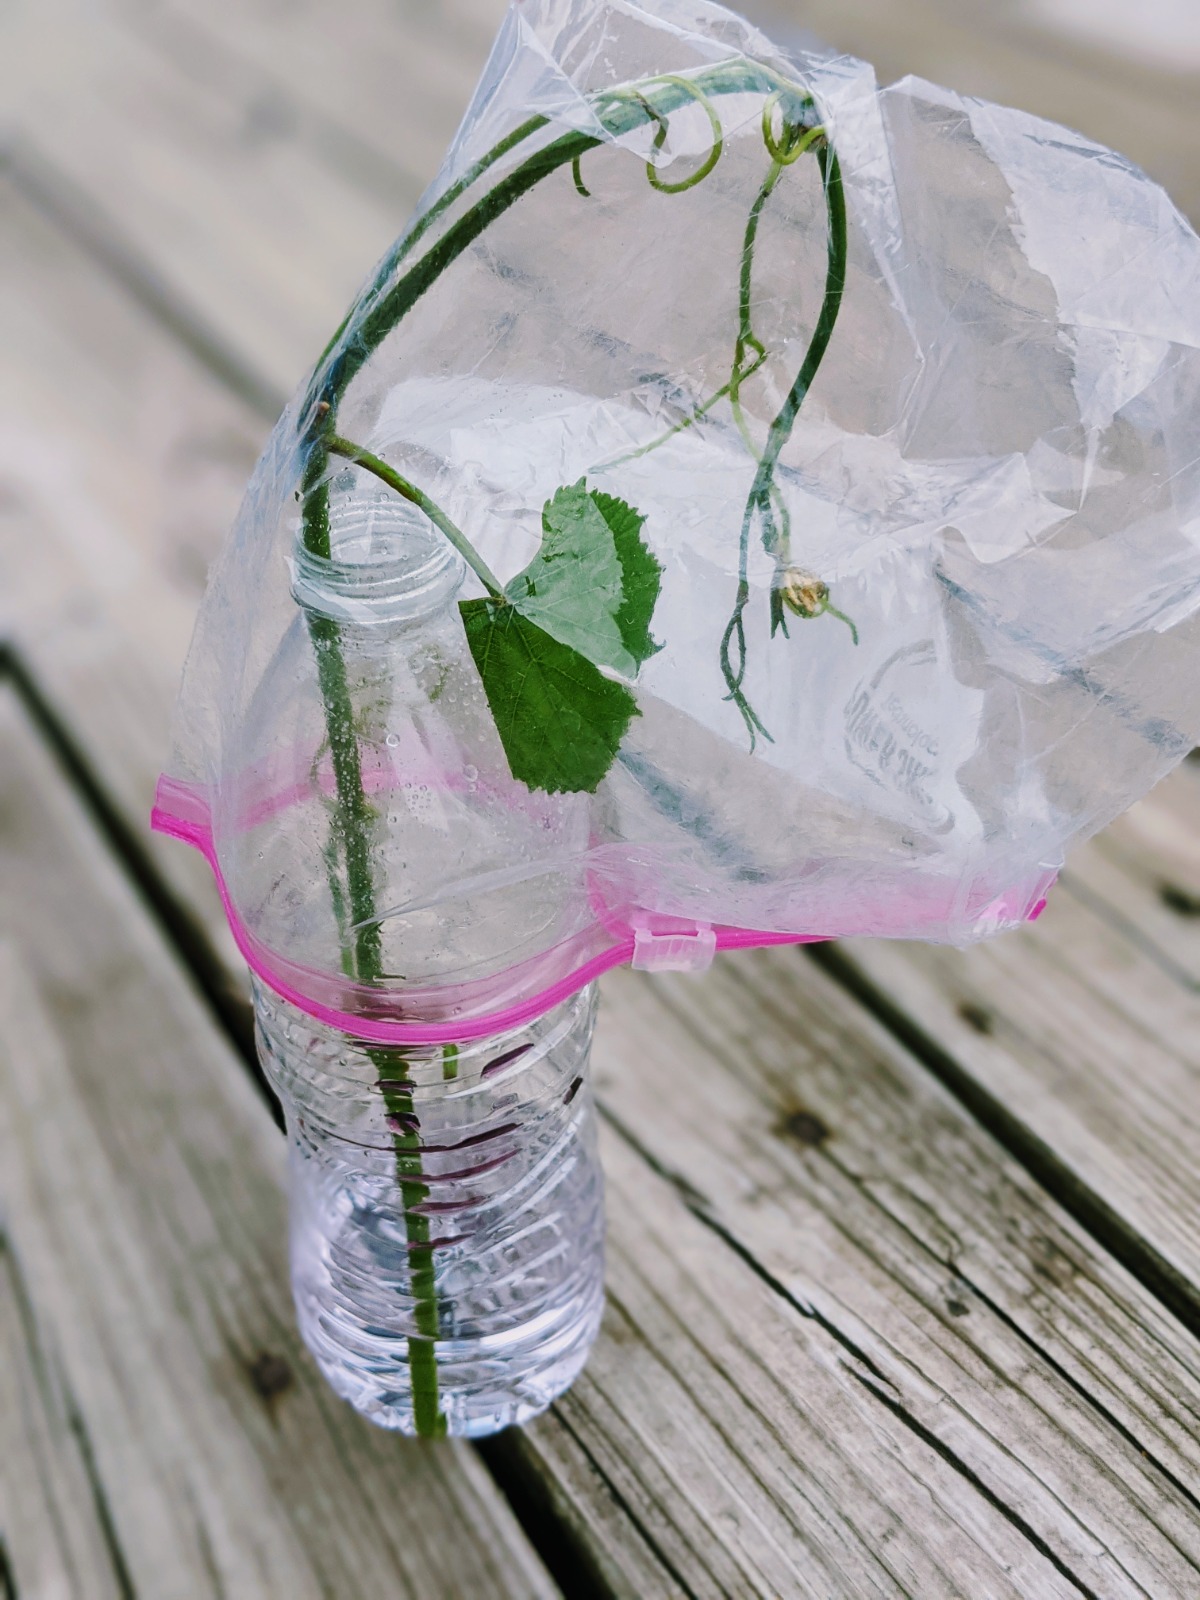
(364, 958)
(428, 1418)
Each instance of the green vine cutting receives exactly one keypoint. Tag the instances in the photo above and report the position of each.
(555, 647)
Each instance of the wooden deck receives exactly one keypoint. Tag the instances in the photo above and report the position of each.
(904, 1290)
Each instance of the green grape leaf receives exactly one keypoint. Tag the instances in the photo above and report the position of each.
(593, 584)
(581, 608)
(641, 575)
(560, 720)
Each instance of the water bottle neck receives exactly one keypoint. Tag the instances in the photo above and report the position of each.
(388, 565)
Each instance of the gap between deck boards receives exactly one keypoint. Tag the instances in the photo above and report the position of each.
(872, 1379)
(1169, 1287)
(77, 215)
(182, 929)
(105, 1544)
(8, 1588)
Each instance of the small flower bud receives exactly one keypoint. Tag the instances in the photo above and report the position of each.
(802, 593)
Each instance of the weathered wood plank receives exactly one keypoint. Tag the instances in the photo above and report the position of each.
(233, 162)
(977, 1311)
(685, 1499)
(745, 1444)
(52, 1523)
(606, 1479)
(103, 1121)
(122, 462)
(741, 1438)
(639, 1513)
(141, 1182)
(394, 79)
(1083, 1035)
(1001, 53)
(684, 1508)
(1145, 872)
(1009, 52)
(608, 1526)
(264, 243)
(1165, 35)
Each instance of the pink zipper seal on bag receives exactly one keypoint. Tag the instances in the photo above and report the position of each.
(181, 813)
(649, 942)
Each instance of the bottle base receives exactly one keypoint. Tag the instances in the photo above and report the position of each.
(483, 1384)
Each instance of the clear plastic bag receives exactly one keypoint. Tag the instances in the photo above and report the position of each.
(823, 462)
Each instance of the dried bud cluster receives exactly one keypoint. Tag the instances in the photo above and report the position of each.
(802, 593)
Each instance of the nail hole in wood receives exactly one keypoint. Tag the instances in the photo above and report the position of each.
(803, 1127)
(271, 1375)
(1179, 900)
(977, 1017)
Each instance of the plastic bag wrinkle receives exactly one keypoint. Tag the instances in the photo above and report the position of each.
(990, 495)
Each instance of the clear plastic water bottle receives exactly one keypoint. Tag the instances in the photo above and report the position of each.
(446, 1202)
(446, 1213)
(471, 873)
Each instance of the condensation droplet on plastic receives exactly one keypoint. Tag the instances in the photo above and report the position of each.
(392, 740)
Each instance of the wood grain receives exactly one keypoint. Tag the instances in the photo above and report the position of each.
(53, 1516)
(341, 80)
(1145, 872)
(1084, 1032)
(643, 1516)
(122, 462)
(974, 1312)
(852, 1346)
(740, 1441)
(713, 1494)
(263, 244)
(141, 1182)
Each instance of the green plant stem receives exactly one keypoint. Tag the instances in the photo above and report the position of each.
(351, 822)
(620, 111)
(442, 204)
(832, 611)
(747, 339)
(835, 283)
(784, 153)
(692, 417)
(428, 1418)
(763, 487)
(405, 245)
(352, 816)
(354, 812)
(371, 463)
